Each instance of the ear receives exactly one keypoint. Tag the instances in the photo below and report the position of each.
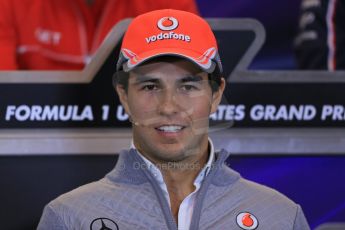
(123, 96)
(217, 96)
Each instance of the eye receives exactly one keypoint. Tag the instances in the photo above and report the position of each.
(150, 87)
(188, 87)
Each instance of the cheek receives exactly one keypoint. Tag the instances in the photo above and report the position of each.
(142, 107)
(200, 109)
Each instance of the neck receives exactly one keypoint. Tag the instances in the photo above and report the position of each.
(180, 178)
(182, 174)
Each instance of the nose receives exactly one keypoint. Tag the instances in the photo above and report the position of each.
(168, 105)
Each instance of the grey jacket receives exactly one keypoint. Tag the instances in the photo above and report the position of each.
(130, 198)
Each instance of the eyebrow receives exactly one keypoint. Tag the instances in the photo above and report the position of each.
(191, 78)
(144, 78)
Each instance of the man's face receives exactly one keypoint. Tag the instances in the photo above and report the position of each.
(170, 103)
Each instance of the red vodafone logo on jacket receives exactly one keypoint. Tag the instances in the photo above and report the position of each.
(247, 221)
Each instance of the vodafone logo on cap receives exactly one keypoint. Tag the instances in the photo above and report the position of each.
(247, 221)
(167, 23)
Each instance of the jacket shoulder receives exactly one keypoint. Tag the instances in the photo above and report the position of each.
(118, 202)
(254, 191)
(272, 209)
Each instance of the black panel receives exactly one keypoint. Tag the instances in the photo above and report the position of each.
(29, 183)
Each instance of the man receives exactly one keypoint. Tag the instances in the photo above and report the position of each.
(169, 82)
(64, 34)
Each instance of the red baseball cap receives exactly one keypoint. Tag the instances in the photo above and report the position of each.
(169, 32)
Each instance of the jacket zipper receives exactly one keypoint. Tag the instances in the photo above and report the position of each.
(161, 199)
(200, 195)
(194, 225)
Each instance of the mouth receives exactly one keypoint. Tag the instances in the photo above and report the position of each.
(170, 128)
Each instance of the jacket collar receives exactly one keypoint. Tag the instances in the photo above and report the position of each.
(198, 180)
(130, 169)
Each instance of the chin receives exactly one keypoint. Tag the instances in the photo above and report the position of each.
(173, 154)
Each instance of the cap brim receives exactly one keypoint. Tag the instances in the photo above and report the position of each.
(204, 61)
